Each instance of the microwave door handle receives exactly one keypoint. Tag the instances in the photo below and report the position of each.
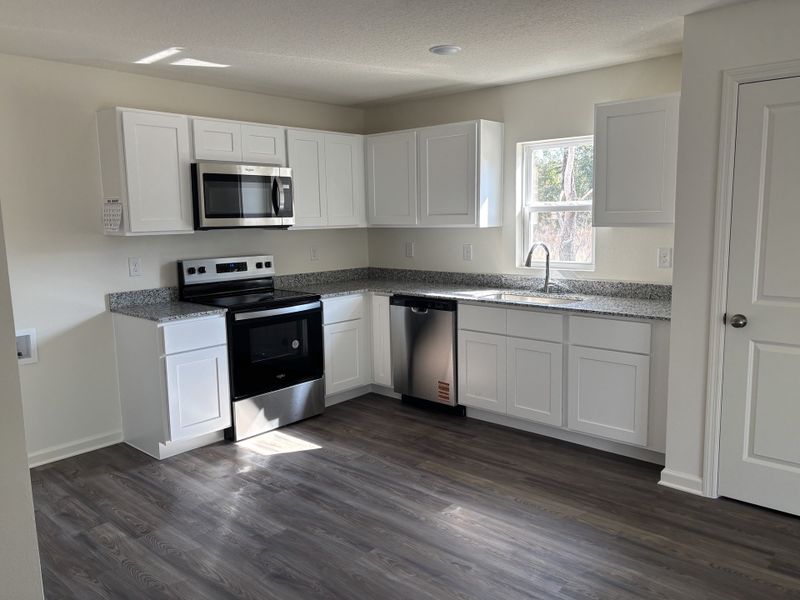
(273, 196)
(281, 197)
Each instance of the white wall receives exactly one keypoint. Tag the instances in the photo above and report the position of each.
(536, 110)
(62, 266)
(20, 574)
(744, 35)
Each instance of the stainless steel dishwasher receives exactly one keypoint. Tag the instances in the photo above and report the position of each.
(423, 333)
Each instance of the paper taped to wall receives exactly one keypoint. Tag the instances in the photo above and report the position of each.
(112, 215)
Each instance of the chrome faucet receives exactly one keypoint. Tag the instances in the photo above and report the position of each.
(546, 263)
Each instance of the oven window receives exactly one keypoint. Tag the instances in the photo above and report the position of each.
(282, 341)
(276, 352)
(236, 196)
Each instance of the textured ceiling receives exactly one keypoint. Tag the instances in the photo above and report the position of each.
(349, 51)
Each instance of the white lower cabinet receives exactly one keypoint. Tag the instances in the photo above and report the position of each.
(347, 343)
(381, 341)
(173, 383)
(603, 388)
(198, 392)
(609, 394)
(534, 374)
(482, 370)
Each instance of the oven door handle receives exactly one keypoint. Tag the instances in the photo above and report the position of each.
(274, 312)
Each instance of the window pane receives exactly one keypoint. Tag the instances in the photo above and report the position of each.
(561, 174)
(568, 235)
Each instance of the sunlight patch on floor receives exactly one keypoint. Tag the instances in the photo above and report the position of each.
(277, 442)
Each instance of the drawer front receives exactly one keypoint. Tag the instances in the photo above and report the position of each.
(193, 334)
(343, 308)
(482, 318)
(624, 336)
(535, 325)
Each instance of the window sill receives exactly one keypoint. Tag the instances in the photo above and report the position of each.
(559, 267)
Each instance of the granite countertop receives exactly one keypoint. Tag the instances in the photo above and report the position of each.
(165, 312)
(636, 308)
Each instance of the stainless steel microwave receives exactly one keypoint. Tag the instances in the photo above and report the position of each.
(232, 195)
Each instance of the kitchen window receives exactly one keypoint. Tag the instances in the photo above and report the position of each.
(556, 196)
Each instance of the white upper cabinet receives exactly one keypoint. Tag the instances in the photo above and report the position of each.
(144, 162)
(263, 144)
(232, 141)
(460, 173)
(307, 161)
(217, 140)
(344, 180)
(636, 149)
(443, 176)
(328, 174)
(392, 178)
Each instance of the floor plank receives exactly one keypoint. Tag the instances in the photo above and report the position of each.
(379, 500)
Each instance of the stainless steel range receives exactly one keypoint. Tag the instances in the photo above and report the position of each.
(274, 340)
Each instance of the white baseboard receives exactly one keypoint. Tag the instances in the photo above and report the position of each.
(359, 391)
(683, 482)
(61, 451)
(644, 454)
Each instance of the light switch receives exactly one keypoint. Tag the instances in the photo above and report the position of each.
(134, 266)
(409, 249)
(314, 253)
(467, 252)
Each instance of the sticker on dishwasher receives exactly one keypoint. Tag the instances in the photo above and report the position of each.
(443, 391)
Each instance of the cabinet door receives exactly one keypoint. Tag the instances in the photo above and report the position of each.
(198, 394)
(447, 178)
(307, 160)
(346, 356)
(608, 394)
(263, 144)
(482, 370)
(157, 158)
(392, 178)
(381, 342)
(344, 180)
(217, 140)
(534, 381)
(636, 151)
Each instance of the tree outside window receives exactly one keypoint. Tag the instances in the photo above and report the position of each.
(557, 201)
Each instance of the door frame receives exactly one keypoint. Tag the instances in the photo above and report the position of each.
(731, 80)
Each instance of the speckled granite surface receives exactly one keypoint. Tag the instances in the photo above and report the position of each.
(611, 298)
(164, 312)
(616, 306)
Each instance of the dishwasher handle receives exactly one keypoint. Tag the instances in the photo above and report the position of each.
(421, 305)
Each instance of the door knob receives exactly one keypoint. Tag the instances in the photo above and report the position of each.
(738, 321)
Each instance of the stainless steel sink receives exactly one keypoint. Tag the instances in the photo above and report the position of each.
(532, 299)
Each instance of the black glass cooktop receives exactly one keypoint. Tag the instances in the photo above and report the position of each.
(257, 299)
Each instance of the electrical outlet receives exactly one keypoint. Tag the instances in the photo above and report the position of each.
(409, 249)
(134, 266)
(467, 251)
(665, 258)
(26, 347)
(314, 253)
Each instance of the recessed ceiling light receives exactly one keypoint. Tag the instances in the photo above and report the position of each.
(445, 49)
(159, 56)
(193, 62)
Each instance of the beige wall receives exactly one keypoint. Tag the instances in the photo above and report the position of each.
(744, 35)
(62, 265)
(20, 574)
(536, 110)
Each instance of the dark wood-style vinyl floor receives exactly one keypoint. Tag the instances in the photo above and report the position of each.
(379, 500)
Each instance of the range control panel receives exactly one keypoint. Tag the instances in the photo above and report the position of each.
(207, 270)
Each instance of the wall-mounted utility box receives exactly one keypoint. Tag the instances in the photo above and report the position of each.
(26, 346)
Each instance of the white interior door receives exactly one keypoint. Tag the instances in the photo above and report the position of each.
(760, 437)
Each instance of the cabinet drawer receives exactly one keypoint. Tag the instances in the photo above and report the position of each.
(624, 336)
(535, 325)
(344, 308)
(193, 334)
(482, 318)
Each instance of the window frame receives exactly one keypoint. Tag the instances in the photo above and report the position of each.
(525, 210)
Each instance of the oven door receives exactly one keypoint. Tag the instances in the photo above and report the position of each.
(231, 195)
(275, 348)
